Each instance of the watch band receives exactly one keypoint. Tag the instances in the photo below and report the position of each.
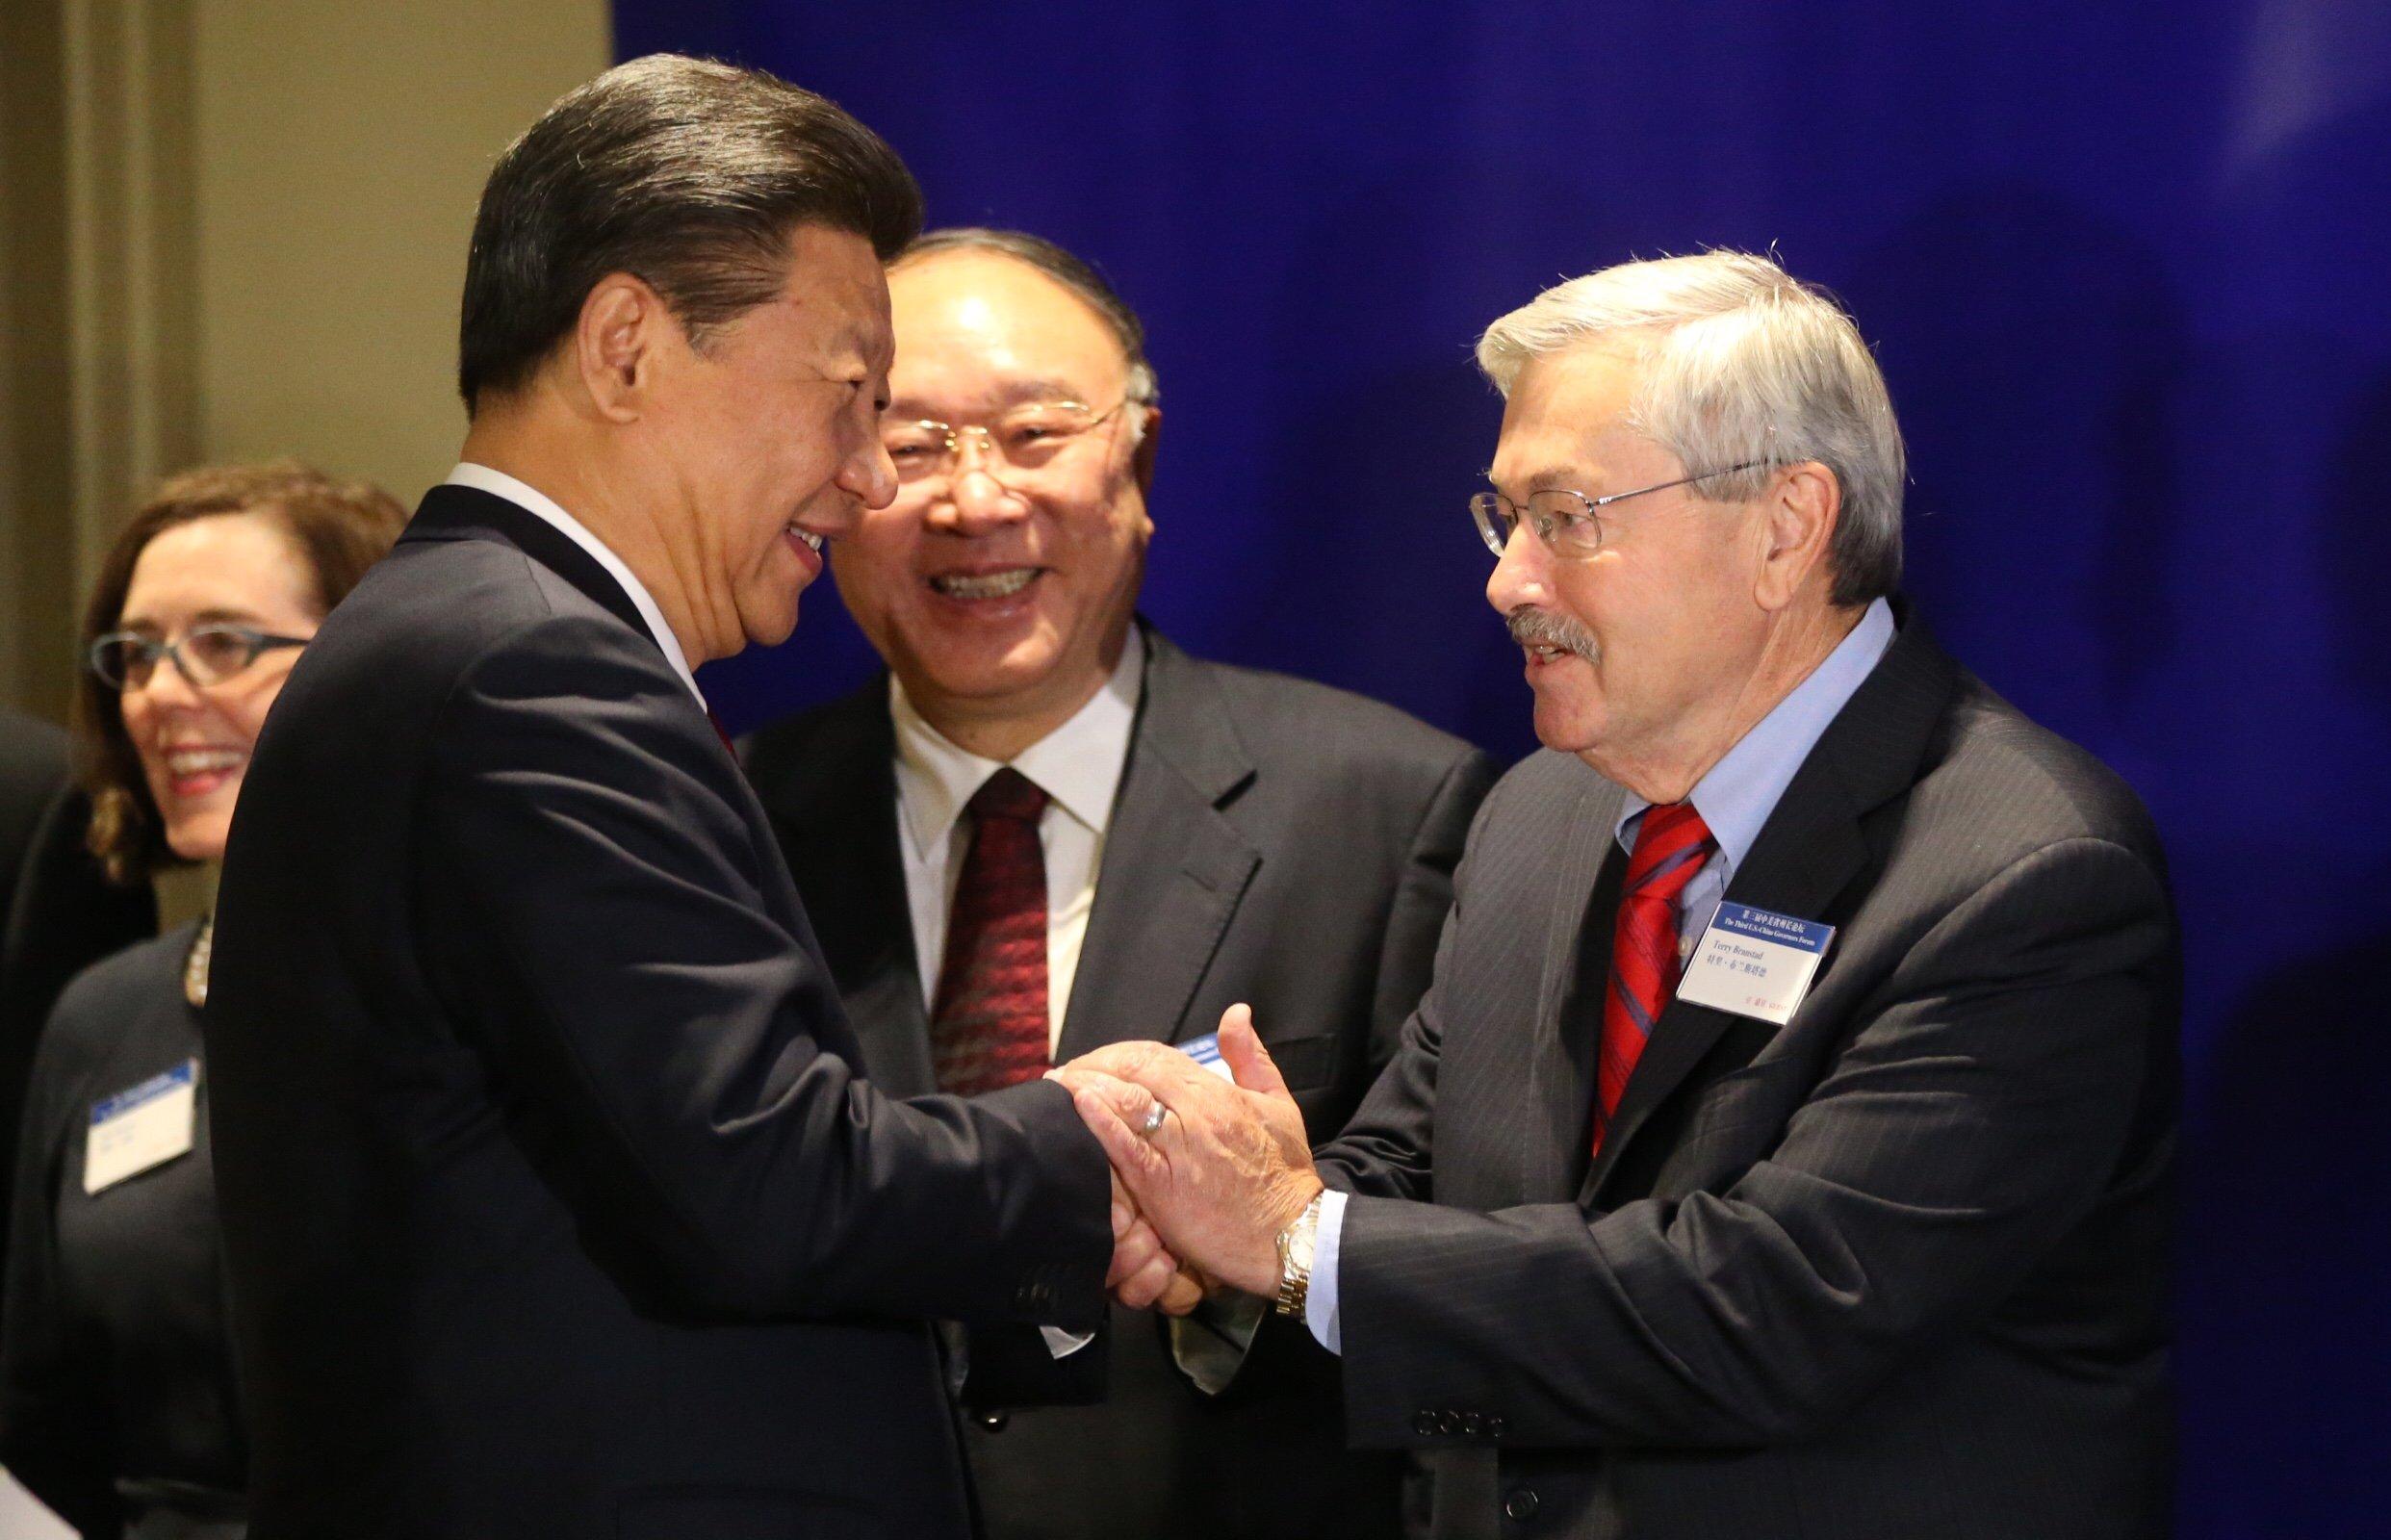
(1294, 1260)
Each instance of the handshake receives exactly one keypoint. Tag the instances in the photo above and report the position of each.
(1205, 1172)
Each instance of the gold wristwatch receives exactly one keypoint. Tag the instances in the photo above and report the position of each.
(1295, 1259)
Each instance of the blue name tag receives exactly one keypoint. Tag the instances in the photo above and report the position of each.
(141, 1126)
(108, 1109)
(1754, 963)
(1206, 1051)
(1743, 919)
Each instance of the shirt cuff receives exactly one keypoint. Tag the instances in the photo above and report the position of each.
(1211, 1345)
(1063, 1343)
(1319, 1298)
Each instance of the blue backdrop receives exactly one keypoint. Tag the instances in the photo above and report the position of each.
(2126, 268)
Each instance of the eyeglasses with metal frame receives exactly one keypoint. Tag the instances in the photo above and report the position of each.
(208, 654)
(1025, 438)
(1564, 519)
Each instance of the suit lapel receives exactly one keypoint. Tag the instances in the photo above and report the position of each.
(834, 808)
(1560, 1086)
(1589, 840)
(1174, 868)
(1797, 870)
(1808, 852)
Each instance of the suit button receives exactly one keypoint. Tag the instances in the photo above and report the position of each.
(1471, 1424)
(1424, 1425)
(1521, 1504)
(1449, 1422)
(995, 1422)
(1494, 1427)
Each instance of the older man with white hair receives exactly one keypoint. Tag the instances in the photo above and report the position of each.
(1783, 1145)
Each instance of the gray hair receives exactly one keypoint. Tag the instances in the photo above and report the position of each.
(1743, 362)
(1072, 272)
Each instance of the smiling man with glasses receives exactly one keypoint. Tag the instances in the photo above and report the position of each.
(1049, 828)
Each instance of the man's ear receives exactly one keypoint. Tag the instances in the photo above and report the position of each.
(618, 341)
(1800, 509)
(1142, 458)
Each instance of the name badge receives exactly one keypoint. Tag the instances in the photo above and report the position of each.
(1206, 1051)
(148, 1125)
(1755, 964)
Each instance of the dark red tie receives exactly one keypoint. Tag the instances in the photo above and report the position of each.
(1671, 845)
(987, 1025)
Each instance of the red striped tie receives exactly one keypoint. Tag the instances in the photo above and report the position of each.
(987, 1024)
(1671, 845)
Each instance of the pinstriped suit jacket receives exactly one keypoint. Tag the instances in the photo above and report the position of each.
(1893, 1270)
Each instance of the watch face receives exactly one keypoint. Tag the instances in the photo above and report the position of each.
(1296, 1242)
(1294, 1260)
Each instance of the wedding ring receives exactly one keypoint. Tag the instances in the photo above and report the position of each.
(1153, 1121)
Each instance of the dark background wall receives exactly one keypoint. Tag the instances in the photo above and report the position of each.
(2126, 268)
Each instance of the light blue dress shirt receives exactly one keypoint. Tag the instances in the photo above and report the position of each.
(1734, 800)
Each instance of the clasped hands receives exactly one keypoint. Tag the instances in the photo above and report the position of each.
(1199, 1201)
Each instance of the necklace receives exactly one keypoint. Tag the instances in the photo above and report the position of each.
(195, 964)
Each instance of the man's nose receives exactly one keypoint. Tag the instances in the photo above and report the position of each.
(1520, 573)
(870, 476)
(976, 501)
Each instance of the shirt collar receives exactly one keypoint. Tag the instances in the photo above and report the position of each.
(1078, 765)
(533, 501)
(1735, 797)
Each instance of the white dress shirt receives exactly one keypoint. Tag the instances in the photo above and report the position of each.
(533, 501)
(1078, 766)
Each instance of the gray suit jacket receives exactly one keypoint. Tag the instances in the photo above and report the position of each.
(1895, 1269)
(1275, 841)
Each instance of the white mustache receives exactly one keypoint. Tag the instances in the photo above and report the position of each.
(1542, 628)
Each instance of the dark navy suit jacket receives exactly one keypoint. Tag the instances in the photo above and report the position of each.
(553, 1200)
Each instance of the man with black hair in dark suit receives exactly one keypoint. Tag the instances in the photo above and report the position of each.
(1049, 828)
(556, 1201)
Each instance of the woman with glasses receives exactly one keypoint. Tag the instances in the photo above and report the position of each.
(117, 1403)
